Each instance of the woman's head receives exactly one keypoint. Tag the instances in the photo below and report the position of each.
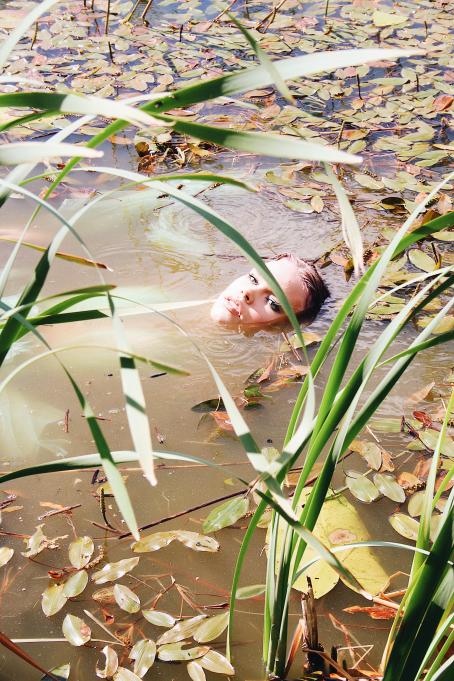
(250, 300)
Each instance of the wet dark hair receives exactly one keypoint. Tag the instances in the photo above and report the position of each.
(313, 284)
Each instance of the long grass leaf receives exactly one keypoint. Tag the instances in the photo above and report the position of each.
(16, 153)
(78, 259)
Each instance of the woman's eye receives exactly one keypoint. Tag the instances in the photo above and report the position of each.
(253, 279)
(274, 305)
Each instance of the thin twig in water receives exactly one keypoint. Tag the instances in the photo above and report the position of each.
(65, 509)
(188, 510)
(271, 16)
(106, 28)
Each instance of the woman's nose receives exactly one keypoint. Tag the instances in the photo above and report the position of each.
(248, 295)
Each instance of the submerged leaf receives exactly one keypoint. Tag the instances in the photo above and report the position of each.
(112, 571)
(75, 584)
(143, 653)
(196, 541)
(53, 599)
(110, 664)
(226, 514)
(75, 630)
(159, 619)
(211, 628)
(153, 542)
(250, 591)
(158, 540)
(215, 662)
(126, 599)
(81, 551)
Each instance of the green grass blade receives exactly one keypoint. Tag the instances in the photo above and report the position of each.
(78, 259)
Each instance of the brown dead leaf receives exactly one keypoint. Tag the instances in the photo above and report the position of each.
(376, 612)
(267, 371)
(443, 102)
(222, 420)
(420, 394)
(408, 481)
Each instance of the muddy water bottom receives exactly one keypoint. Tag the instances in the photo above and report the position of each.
(166, 254)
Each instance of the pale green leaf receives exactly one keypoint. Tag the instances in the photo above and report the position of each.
(181, 630)
(405, 525)
(226, 514)
(5, 555)
(158, 618)
(53, 599)
(143, 653)
(110, 664)
(81, 551)
(75, 630)
(389, 487)
(217, 663)
(113, 571)
(126, 599)
(75, 585)
(211, 628)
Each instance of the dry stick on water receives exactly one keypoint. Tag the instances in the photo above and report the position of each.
(224, 11)
(271, 16)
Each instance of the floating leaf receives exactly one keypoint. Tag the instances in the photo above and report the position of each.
(181, 630)
(339, 522)
(405, 525)
(381, 19)
(217, 663)
(430, 437)
(215, 404)
(196, 541)
(104, 596)
(370, 451)
(389, 487)
(367, 181)
(75, 584)
(5, 555)
(421, 260)
(126, 599)
(226, 514)
(174, 652)
(416, 504)
(75, 630)
(123, 674)
(250, 591)
(158, 540)
(386, 425)
(81, 551)
(309, 339)
(36, 543)
(195, 671)
(211, 628)
(362, 488)
(159, 619)
(53, 599)
(143, 653)
(110, 665)
(112, 571)
(61, 672)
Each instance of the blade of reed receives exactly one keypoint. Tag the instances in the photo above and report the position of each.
(349, 224)
(78, 259)
(14, 153)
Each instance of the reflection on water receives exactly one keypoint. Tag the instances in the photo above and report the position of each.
(157, 256)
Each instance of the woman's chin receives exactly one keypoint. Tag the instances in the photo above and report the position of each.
(220, 314)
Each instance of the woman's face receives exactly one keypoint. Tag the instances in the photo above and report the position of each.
(249, 299)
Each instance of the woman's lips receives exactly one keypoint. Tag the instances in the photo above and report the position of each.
(232, 306)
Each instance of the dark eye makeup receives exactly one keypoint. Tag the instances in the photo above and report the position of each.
(274, 305)
(253, 279)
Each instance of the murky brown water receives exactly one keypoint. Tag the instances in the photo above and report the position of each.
(168, 254)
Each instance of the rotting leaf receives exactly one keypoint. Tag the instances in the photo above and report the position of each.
(76, 584)
(217, 663)
(81, 551)
(389, 487)
(158, 618)
(211, 628)
(405, 525)
(181, 630)
(5, 555)
(53, 599)
(112, 571)
(36, 543)
(226, 514)
(143, 653)
(75, 630)
(110, 665)
(126, 599)
(376, 612)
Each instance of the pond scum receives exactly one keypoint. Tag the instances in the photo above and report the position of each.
(69, 66)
